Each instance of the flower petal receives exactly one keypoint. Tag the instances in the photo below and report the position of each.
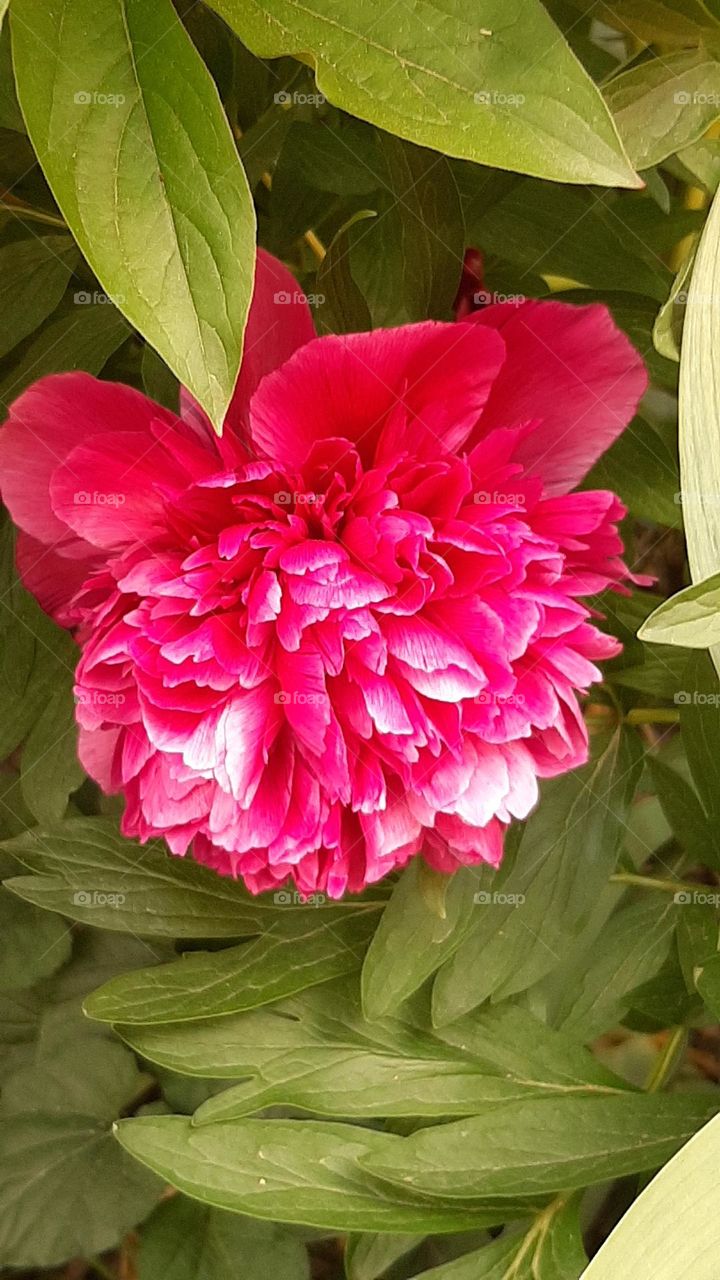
(573, 370)
(418, 388)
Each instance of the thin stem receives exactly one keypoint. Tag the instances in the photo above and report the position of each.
(667, 1061)
(32, 215)
(655, 882)
(652, 715)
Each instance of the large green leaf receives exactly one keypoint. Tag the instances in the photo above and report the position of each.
(699, 702)
(33, 276)
(535, 1147)
(665, 104)
(66, 1189)
(87, 870)
(690, 618)
(684, 812)
(551, 1249)
(524, 921)
(700, 407)
(300, 1171)
(449, 79)
(630, 951)
(417, 934)
(183, 1240)
(408, 263)
(32, 945)
(316, 1024)
(565, 231)
(314, 946)
(670, 1232)
(83, 338)
(129, 130)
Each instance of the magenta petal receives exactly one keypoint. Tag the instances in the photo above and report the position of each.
(45, 424)
(571, 368)
(53, 579)
(425, 384)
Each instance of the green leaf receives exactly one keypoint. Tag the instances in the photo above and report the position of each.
(33, 276)
(551, 1249)
(685, 813)
(49, 1049)
(413, 939)
(698, 165)
(300, 1171)
(315, 945)
(318, 1023)
(670, 1231)
(690, 618)
(664, 104)
(567, 851)
(32, 944)
(553, 230)
(363, 1082)
(132, 138)
(631, 950)
(343, 308)
(50, 769)
(418, 244)
(183, 1240)
(82, 1075)
(450, 82)
(699, 702)
(368, 1256)
(532, 1148)
(159, 383)
(85, 338)
(641, 470)
(66, 1189)
(87, 870)
(700, 408)
(668, 22)
(670, 322)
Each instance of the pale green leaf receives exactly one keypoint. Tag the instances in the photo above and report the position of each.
(448, 78)
(670, 1232)
(128, 127)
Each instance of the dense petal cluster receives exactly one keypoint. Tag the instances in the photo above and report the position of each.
(350, 630)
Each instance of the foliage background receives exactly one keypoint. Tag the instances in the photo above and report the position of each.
(468, 1080)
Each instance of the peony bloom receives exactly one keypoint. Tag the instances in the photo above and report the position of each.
(349, 631)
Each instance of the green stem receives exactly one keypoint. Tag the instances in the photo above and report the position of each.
(652, 715)
(33, 215)
(664, 1066)
(653, 882)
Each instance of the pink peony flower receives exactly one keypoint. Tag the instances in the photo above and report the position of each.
(350, 631)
